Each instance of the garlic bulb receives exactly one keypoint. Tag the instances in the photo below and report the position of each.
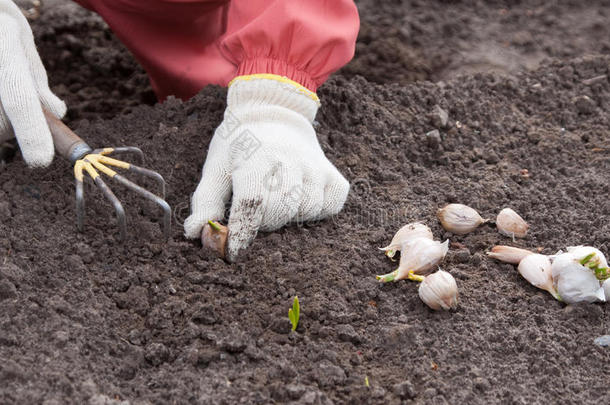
(509, 223)
(575, 282)
(214, 237)
(439, 291)
(406, 234)
(459, 218)
(417, 256)
(508, 254)
(536, 269)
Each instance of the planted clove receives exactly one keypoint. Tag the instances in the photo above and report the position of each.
(509, 223)
(439, 291)
(405, 235)
(459, 218)
(214, 237)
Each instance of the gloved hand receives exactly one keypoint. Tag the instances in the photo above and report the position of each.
(266, 153)
(24, 89)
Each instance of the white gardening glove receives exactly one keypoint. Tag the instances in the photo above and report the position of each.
(24, 89)
(266, 153)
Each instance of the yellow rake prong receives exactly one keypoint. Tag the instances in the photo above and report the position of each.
(100, 161)
(90, 169)
(114, 162)
(104, 169)
(78, 170)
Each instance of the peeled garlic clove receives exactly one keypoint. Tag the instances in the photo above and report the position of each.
(575, 282)
(439, 291)
(459, 218)
(509, 223)
(406, 234)
(508, 254)
(536, 269)
(421, 255)
(417, 256)
(214, 237)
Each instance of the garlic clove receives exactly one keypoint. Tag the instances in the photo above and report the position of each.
(536, 269)
(214, 237)
(575, 282)
(509, 223)
(421, 255)
(459, 218)
(439, 291)
(417, 256)
(405, 234)
(508, 254)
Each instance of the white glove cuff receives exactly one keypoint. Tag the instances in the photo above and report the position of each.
(271, 90)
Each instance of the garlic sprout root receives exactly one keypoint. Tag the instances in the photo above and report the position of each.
(386, 278)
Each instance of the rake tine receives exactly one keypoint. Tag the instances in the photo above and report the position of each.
(152, 197)
(121, 149)
(80, 205)
(79, 168)
(118, 207)
(104, 161)
(152, 174)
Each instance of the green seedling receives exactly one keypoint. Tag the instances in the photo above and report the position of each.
(593, 262)
(366, 381)
(294, 313)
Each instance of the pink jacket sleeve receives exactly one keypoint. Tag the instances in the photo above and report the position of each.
(187, 44)
(305, 40)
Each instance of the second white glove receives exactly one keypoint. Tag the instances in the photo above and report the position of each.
(266, 154)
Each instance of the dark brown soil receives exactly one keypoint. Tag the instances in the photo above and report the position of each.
(86, 319)
(88, 67)
(405, 40)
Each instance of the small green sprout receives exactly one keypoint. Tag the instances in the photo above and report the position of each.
(593, 262)
(294, 313)
(214, 225)
(366, 381)
(588, 258)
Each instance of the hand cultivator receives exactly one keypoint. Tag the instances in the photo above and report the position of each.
(88, 161)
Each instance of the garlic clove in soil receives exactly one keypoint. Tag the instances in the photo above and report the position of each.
(509, 223)
(459, 218)
(406, 234)
(439, 291)
(417, 256)
(508, 254)
(575, 282)
(214, 237)
(536, 269)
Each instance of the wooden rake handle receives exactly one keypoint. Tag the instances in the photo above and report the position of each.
(67, 143)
